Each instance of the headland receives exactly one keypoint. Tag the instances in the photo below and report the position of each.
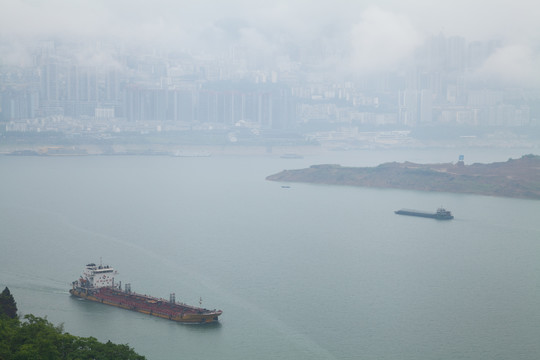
(516, 178)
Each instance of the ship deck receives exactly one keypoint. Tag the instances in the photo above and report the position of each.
(145, 302)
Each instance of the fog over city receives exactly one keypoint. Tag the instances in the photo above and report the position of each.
(455, 60)
(373, 35)
(277, 179)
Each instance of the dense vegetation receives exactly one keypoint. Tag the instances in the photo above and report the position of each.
(36, 338)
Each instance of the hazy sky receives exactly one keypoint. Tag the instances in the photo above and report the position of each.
(475, 19)
(388, 30)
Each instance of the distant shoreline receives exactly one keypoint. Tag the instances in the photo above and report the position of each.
(174, 151)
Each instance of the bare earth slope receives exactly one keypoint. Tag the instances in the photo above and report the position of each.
(519, 178)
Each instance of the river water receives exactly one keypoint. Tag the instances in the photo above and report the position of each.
(306, 272)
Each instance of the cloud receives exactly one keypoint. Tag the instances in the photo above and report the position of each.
(360, 37)
(15, 53)
(301, 19)
(28, 19)
(91, 56)
(514, 65)
(381, 41)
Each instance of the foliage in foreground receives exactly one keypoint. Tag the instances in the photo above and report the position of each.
(8, 306)
(37, 339)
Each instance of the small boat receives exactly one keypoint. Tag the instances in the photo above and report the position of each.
(192, 154)
(291, 156)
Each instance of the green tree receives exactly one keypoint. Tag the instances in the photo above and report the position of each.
(35, 338)
(8, 306)
(8, 329)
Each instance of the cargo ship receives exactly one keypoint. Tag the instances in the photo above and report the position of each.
(440, 214)
(97, 284)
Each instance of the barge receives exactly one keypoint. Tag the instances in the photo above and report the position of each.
(440, 214)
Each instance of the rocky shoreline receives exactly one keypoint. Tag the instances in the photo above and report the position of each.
(516, 178)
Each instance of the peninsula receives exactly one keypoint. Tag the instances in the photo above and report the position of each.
(517, 178)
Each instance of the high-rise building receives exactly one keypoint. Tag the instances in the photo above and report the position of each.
(415, 107)
(455, 54)
(18, 104)
(426, 106)
(49, 86)
(408, 107)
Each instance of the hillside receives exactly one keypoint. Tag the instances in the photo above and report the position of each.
(518, 178)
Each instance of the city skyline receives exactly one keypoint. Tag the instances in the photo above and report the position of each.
(441, 86)
(379, 67)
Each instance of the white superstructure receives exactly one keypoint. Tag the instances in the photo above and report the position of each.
(97, 276)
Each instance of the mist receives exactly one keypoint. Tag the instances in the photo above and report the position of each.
(344, 64)
(258, 158)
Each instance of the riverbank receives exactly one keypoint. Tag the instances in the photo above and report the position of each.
(517, 178)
